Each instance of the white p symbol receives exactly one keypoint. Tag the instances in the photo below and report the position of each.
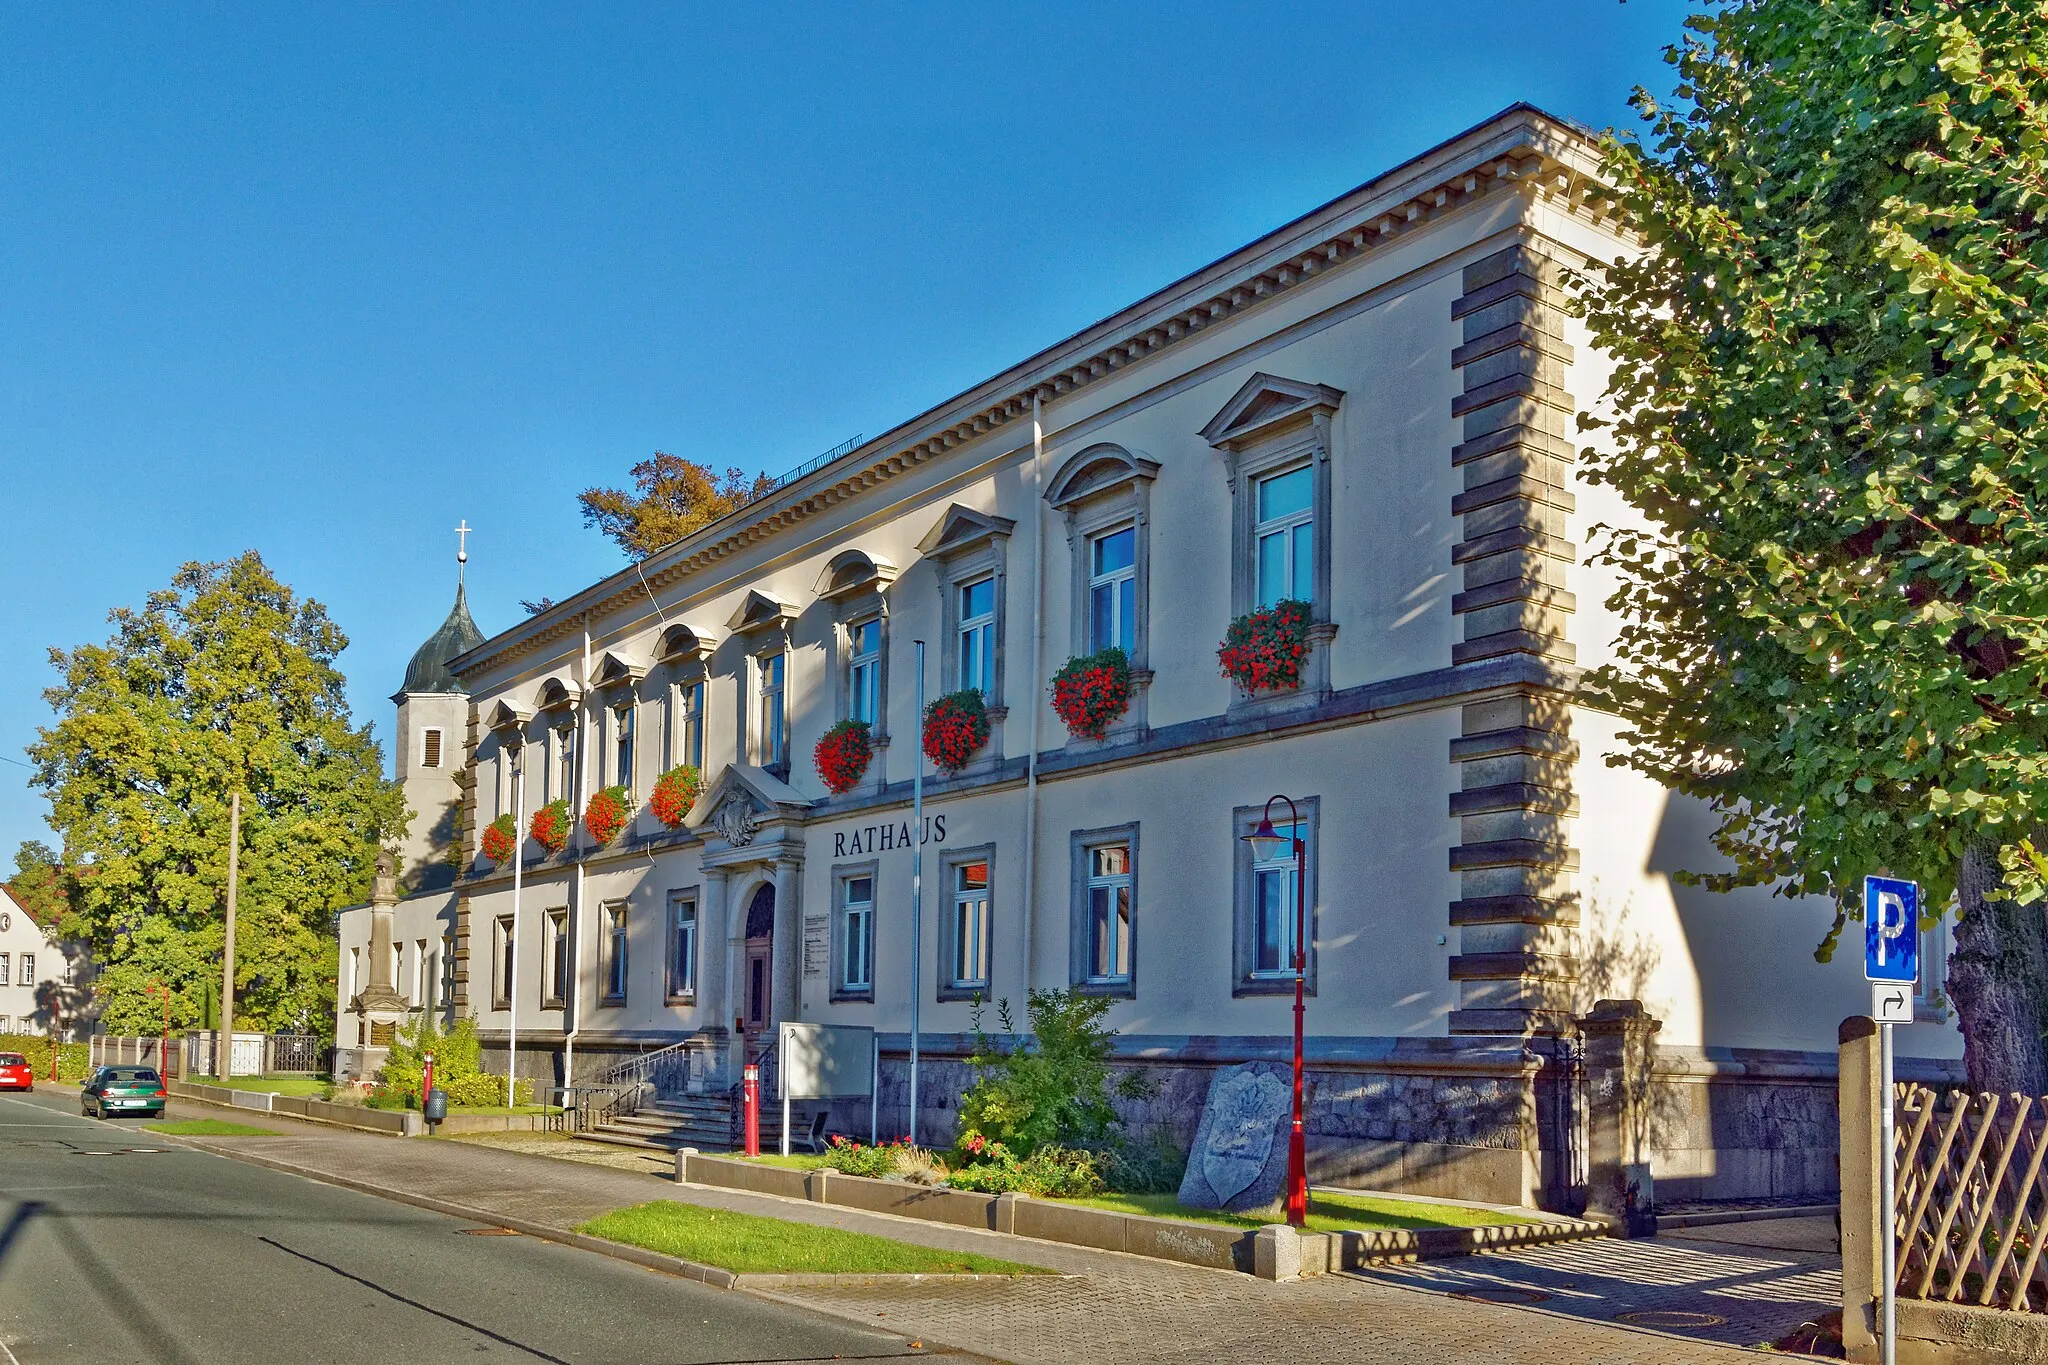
(1891, 922)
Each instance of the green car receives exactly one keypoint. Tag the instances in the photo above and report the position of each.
(114, 1090)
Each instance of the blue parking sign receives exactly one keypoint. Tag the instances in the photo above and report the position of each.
(1891, 929)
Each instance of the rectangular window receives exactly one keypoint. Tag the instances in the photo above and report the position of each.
(419, 974)
(622, 746)
(864, 671)
(3, 969)
(430, 749)
(447, 966)
(1110, 888)
(558, 958)
(1273, 907)
(562, 786)
(1113, 590)
(28, 969)
(1283, 536)
(977, 606)
(774, 735)
(501, 983)
(1268, 915)
(682, 945)
(355, 972)
(970, 926)
(682, 739)
(615, 954)
(857, 934)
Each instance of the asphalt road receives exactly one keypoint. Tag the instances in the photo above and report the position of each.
(118, 1246)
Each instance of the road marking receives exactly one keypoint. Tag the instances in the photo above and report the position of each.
(12, 1358)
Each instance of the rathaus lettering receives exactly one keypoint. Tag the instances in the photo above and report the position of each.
(883, 838)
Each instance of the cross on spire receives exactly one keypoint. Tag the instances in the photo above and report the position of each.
(461, 550)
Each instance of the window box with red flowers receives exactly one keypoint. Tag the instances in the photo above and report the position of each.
(843, 755)
(500, 840)
(608, 812)
(1266, 650)
(955, 728)
(675, 791)
(550, 826)
(1091, 692)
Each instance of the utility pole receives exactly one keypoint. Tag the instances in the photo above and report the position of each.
(225, 1039)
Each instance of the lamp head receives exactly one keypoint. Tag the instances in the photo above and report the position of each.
(1268, 844)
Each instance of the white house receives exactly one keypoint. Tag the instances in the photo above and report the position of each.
(1369, 410)
(36, 970)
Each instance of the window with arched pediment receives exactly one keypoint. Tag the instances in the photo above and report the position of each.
(1103, 494)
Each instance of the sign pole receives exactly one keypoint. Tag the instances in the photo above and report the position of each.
(782, 1083)
(916, 889)
(1891, 963)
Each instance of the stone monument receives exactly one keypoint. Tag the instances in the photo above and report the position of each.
(1239, 1160)
(378, 1007)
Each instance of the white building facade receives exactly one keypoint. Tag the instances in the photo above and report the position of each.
(41, 978)
(1371, 410)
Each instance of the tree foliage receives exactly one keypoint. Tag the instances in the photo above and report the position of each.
(42, 885)
(1829, 399)
(224, 681)
(671, 497)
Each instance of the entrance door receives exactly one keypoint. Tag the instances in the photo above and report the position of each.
(759, 982)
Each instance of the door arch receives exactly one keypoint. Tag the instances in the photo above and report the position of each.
(757, 991)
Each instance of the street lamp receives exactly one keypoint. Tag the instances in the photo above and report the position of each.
(1267, 845)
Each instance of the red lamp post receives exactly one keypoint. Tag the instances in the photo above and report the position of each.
(1266, 844)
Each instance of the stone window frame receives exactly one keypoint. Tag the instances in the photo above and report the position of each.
(447, 966)
(555, 944)
(1097, 491)
(949, 930)
(614, 954)
(503, 933)
(1243, 820)
(764, 626)
(1268, 426)
(621, 710)
(857, 585)
(842, 873)
(967, 545)
(432, 747)
(678, 897)
(687, 653)
(1080, 843)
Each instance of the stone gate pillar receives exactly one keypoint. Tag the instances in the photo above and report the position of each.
(1621, 1052)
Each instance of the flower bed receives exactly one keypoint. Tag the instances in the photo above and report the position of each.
(500, 840)
(608, 813)
(955, 727)
(1263, 650)
(843, 755)
(550, 826)
(1092, 690)
(675, 791)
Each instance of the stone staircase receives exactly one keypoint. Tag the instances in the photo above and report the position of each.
(705, 1122)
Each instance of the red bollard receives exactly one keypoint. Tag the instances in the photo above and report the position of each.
(750, 1100)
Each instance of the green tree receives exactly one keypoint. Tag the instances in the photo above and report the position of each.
(223, 682)
(43, 885)
(1828, 406)
(670, 498)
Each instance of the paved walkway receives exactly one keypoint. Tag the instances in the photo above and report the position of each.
(1112, 1307)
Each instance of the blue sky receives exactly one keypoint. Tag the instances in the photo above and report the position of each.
(326, 280)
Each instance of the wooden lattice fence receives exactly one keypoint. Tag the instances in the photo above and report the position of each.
(1972, 1198)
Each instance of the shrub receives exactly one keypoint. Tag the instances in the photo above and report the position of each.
(1051, 1172)
(550, 826)
(500, 840)
(73, 1059)
(1091, 690)
(458, 1067)
(1154, 1166)
(675, 791)
(607, 813)
(955, 727)
(843, 755)
(845, 1155)
(1050, 1088)
(1263, 650)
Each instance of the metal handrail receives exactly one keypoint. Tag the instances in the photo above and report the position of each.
(642, 1065)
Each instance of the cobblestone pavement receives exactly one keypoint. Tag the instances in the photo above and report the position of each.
(1106, 1307)
(1761, 1279)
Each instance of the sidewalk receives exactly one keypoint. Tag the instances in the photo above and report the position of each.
(1114, 1308)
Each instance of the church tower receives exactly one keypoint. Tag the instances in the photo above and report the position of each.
(433, 722)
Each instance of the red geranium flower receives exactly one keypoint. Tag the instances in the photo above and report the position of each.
(1091, 690)
(1263, 650)
(843, 755)
(955, 726)
(675, 791)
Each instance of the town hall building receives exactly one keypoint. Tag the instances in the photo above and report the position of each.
(1371, 412)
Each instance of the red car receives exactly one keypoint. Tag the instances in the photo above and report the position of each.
(15, 1072)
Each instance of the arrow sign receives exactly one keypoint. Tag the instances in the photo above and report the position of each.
(1891, 1003)
(1891, 930)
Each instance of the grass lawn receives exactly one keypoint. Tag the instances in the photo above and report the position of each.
(1326, 1212)
(208, 1128)
(795, 1161)
(747, 1244)
(314, 1087)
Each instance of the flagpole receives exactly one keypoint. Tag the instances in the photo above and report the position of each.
(916, 889)
(512, 986)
